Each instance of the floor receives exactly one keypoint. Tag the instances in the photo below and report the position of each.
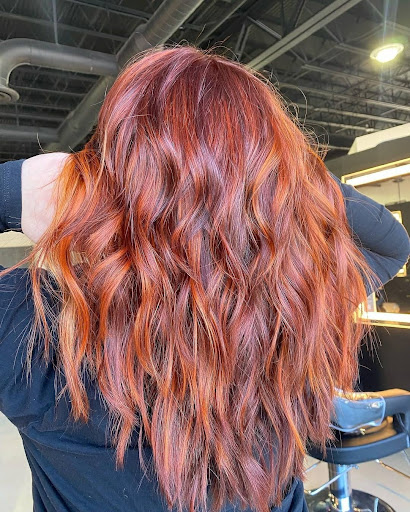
(15, 482)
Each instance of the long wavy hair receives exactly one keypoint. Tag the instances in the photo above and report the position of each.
(207, 279)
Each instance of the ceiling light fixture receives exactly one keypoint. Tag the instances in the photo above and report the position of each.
(387, 52)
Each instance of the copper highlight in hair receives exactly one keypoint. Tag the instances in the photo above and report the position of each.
(206, 279)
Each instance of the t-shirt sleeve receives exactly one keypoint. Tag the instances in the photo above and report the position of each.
(10, 196)
(380, 237)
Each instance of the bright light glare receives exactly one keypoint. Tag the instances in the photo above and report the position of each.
(389, 317)
(383, 174)
(387, 52)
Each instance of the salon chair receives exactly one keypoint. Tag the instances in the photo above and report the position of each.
(367, 427)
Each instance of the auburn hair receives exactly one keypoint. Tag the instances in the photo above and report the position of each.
(206, 279)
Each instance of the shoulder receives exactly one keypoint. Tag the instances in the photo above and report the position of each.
(46, 160)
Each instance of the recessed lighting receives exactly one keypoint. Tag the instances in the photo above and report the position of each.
(387, 52)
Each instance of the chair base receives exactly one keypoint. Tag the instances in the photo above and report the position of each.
(362, 502)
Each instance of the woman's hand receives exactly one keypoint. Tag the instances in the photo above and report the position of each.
(37, 176)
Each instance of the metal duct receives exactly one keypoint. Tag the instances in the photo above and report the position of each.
(169, 16)
(18, 52)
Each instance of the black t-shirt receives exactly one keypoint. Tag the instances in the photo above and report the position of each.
(72, 469)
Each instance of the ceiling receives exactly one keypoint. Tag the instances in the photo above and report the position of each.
(327, 78)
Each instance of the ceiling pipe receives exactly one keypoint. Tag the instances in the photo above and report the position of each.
(20, 51)
(312, 122)
(35, 116)
(169, 16)
(337, 148)
(27, 133)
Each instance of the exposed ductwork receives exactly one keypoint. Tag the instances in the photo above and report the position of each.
(169, 16)
(312, 25)
(156, 31)
(18, 52)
